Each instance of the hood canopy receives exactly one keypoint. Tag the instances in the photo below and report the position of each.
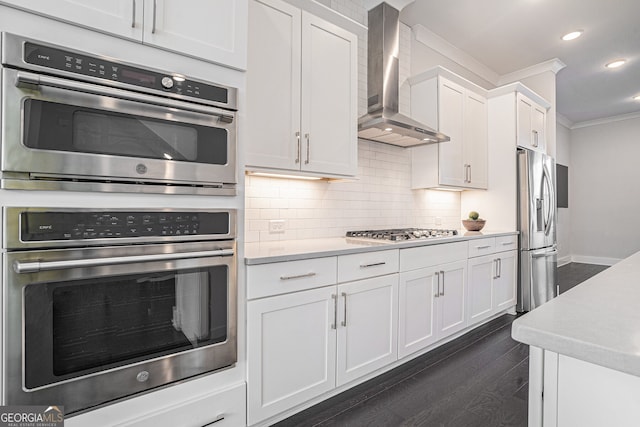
(383, 122)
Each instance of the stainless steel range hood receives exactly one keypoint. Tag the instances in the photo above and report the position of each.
(383, 122)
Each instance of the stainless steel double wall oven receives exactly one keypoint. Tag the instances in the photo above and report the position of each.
(101, 304)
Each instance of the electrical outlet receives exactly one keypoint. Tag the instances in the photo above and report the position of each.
(277, 225)
(438, 220)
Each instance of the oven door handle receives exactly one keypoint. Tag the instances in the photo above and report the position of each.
(33, 81)
(36, 266)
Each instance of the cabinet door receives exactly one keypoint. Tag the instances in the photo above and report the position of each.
(524, 106)
(476, 140)
(451, 99)
(120, 17)
(291, 347)
(214, 31)
(451, 298)
(367, 325)
(504, 286)
(329, 97)
(416, 310)
(273, 85)
(482, 271)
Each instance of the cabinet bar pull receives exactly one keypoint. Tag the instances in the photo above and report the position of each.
(499, 267)
(375, 264)
(469, 181)
(334, 297)
(437, 290)
(155, 8)
(344, 321)
(535, 138)
(306, 135)
(507, 243)
(483, 247)
(298, 139)
(442, 274)
(298, 276)
(495, 268)
(217, 420)
(133, 14)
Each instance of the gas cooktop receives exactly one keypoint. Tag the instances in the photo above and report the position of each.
(401, 234)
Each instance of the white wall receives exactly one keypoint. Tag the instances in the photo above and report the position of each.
(563, 229)
(604, 195)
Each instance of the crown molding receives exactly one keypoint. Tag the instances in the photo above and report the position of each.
(606, 120)
(440, 45)
(398, 4)
(554, 65)
(564, 121)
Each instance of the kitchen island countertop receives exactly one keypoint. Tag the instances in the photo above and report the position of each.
(597, 321)
(291, 250)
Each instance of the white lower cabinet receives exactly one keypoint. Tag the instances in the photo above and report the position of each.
(492, 280)
(432, 305)
(291, 348)
(367, 324)
(305, 343)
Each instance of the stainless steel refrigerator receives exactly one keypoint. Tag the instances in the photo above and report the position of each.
(538, 261)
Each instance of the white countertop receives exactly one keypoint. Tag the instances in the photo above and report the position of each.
(597, 321)
(291, 250)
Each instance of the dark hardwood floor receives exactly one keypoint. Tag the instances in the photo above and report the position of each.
(479, 379)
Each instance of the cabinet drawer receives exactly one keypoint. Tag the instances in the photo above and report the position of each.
(506, 243)
(368, 264)
(226, 408)
(479, 247)
(426, 256)
(284, 277)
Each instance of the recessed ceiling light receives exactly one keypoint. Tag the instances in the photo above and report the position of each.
(636, 98)
(388, 129)
(615, 64)
(572, 35)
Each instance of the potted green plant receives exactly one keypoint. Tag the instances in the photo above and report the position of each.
(474, 222)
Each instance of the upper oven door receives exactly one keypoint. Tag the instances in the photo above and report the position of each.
(58, 128)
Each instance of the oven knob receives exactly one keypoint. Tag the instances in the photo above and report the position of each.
(167, 82)
(142, 376)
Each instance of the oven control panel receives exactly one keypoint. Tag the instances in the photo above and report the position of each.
(100, 68)
(98, 225)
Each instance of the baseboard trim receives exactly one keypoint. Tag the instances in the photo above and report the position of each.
(594, 260)
(564, 260)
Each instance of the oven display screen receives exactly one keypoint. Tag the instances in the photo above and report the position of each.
(136, 77)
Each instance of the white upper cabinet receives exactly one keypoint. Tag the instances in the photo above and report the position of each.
(460, 113)
(211, 30)
(215, 31)
(532, 121)
(301, 92)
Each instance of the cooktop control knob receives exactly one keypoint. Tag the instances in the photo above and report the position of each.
(167, 82)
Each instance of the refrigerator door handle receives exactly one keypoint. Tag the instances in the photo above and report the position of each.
(546, 181)
(545, 254)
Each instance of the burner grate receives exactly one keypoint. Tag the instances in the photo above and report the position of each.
(400, 234)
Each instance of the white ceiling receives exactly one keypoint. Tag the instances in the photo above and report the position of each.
(511, 35)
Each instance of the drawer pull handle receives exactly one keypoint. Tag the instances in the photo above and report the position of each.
(375, 264)
(298, 276)
(217, 420)
(483, 247)
(508, 243)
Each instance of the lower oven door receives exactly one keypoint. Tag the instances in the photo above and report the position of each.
(69, 133)
(85, 327)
